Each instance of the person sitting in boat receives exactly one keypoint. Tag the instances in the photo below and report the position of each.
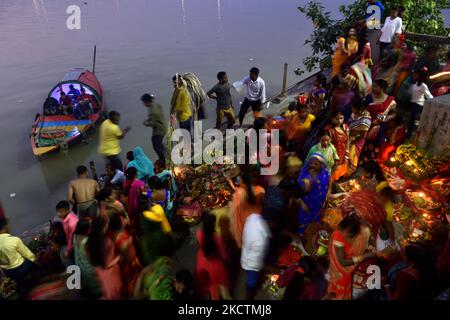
(80, 111)
(87, 101)
(51, 107)
(73, 93)
(66, 103)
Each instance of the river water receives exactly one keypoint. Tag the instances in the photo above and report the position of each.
(141, 44)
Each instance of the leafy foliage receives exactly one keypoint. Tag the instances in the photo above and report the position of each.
(419, 17)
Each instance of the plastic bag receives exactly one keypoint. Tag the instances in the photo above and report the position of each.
(239, 86)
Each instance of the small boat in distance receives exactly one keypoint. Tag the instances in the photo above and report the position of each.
(58, 127)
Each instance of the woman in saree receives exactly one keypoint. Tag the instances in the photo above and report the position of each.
(161, 195)
(211, 276)
(156, 235)
(404, 67)
(340, 138)
(317, 94)
(345, 49)
(314, 181)
(382, 108)
(89, 281)
(130, 267)
(341, 97)
(101, 252)
(133, 188)
(364, 78)
(347, 249)
(142, 163)
(327, 150)
(379, 102)
(359, 124)
(299, 127)
(395, 135)
(247, 199)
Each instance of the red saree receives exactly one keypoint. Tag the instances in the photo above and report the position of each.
(339, 140)
(376, 108)
(396, 137)
(130, 266)
(341, 278)
(210, 272)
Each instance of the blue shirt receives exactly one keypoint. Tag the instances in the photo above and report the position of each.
(74, 93)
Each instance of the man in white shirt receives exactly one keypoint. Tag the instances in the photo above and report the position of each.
(392, 27)
(255, 244)
(255, 94)
(419, 93)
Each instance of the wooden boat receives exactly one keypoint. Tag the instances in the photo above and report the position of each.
(51, 132)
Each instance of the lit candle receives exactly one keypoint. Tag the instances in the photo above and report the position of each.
(177, 171)
(392, 159)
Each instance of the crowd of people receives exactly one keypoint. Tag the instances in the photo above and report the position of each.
(122, 230)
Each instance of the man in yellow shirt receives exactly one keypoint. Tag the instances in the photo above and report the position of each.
(109, 144)
(181, 103)
(16, 259)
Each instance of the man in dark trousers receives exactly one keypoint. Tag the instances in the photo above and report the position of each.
(156, 121)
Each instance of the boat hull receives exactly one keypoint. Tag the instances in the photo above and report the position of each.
(44, 137)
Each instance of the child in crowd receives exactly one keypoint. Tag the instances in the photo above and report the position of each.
(69, 221)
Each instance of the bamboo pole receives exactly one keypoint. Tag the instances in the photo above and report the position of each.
(283, 88)
(95, 58)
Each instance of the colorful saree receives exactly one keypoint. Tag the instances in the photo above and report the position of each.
(345, 49)
(316, 190)
(130, 266)
(377, 133)
(341, 278)
(358, 126)
(339, 138)
(329, 153)
(380, 107)
(364, 76)
(339, 56)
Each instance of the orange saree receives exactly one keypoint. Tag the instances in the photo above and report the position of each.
(341, 278)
